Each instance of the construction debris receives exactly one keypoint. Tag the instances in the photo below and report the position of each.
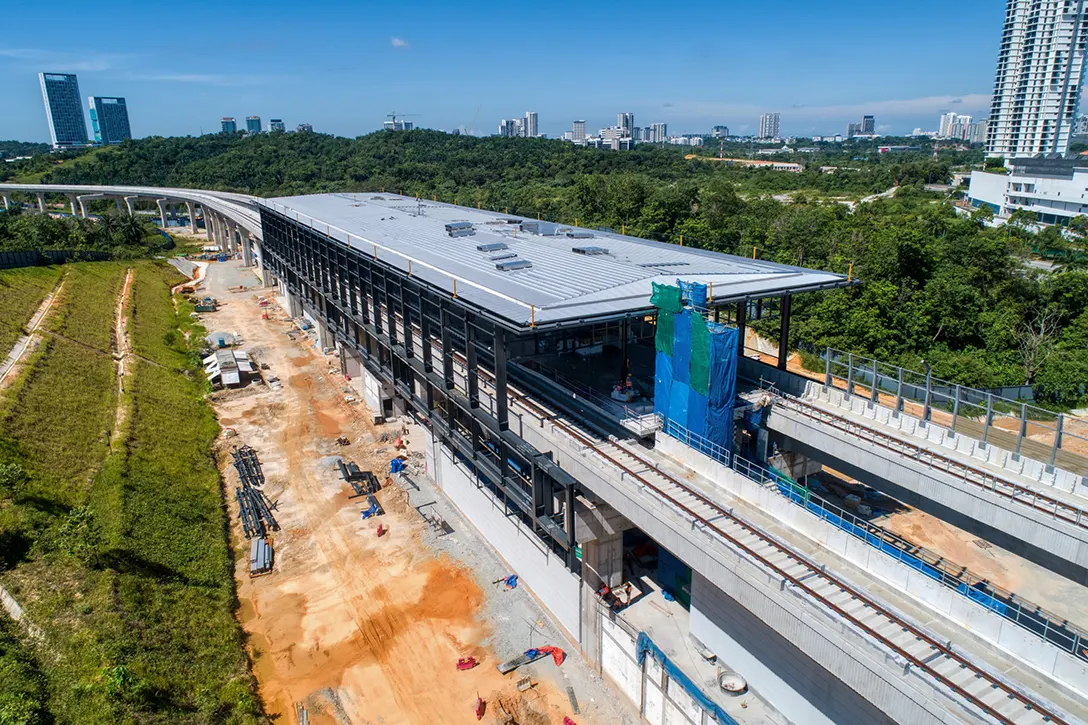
(375, 508)
(573, 700)
(248, 465)
(363, 482)
(525, 683)
(467, 663)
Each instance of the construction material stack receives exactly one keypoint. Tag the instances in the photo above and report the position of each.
(695, 374)
(253, 505)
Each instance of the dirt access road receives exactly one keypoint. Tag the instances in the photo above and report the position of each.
(359, 629)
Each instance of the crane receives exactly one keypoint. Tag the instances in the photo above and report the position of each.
(391, 124)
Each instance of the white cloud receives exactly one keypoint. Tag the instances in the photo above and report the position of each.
(206, 79)
(398, 42)
(83, 62)
(887, 108)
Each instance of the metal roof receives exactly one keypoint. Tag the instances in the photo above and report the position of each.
(561, 285)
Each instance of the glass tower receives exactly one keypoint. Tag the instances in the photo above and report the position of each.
(109, 120)
(64, 110)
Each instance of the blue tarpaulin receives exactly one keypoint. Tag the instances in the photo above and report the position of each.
(697, 413)
(645, 646)
(396, 465)
(694, 293)
(662, 384)
(681, 348)
(679, 399)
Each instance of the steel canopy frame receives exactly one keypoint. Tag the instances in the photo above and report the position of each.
(390, 318)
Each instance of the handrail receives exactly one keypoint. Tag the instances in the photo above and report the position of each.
(800, 583)
(1057, 630)
(1059, 510)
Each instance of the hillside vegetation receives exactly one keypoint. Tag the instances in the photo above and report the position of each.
(114, 539)
(939, 286)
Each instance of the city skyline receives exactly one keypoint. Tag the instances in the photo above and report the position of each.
(452, 84)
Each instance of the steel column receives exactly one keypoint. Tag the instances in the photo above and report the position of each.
(784, 331)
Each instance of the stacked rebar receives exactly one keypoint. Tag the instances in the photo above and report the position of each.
(248, 465)
(253, 504)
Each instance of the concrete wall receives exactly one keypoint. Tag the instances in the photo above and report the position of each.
(990, 626)
(1014, 525)
(937, 437)
(537, 568)
(858, 661)
(660, 700)
(797, 686)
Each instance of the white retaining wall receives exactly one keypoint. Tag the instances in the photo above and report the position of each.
(989, 625)
(537, 568)
(911, 427)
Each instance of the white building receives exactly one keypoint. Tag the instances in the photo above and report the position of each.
(578, 133)
(769, 125)
(626, 121)
(530, 124)
(1037, 85)
(1055, 189)
(945, 126)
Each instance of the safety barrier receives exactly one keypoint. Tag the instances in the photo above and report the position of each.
(1050, 627)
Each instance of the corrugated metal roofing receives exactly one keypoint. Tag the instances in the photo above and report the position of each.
(560, 285)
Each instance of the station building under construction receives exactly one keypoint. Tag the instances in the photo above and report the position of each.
(592, 409)
(622, 421)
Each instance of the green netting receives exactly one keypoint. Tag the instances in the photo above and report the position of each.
(666, 325)
(666, 297)
(700, 355)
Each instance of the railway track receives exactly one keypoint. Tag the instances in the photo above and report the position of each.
(990, 694)
(977, 477)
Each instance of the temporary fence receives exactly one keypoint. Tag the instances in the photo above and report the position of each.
(1053, 628)
(958, 402)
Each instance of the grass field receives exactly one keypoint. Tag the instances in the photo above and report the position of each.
(131, 577)
(21, 293)
(22, 686)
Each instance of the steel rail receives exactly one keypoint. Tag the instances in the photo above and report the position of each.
(915, 661)
(1055, 507)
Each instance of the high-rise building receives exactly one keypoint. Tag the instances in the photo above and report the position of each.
(660, 132)
(1037, 84)
(947, 119)
(852, 129)
(64, 110)
(304, 128)
(508, 127)
(228, 125)
(976, 132)
(579, 131)
(868, 125)
(275, 125)
(626, 121)
(719, 131)
(398, 125)
(530, 124)
(253, 124)
(109, 120)
(1080, 126)
(769, 125)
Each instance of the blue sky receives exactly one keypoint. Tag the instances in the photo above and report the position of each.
(342, 66)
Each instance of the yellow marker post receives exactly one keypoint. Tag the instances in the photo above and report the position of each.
(409, 268)
(434, 197)
(623, 230)
(538, 216)
(375, 252)
(454, 288)
(477, 205)
(681, 240)
(532, 315)
(850, 273)
(710, 292)
(507, 210)
(754, 252)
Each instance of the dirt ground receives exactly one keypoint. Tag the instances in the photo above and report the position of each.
(357, 628)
